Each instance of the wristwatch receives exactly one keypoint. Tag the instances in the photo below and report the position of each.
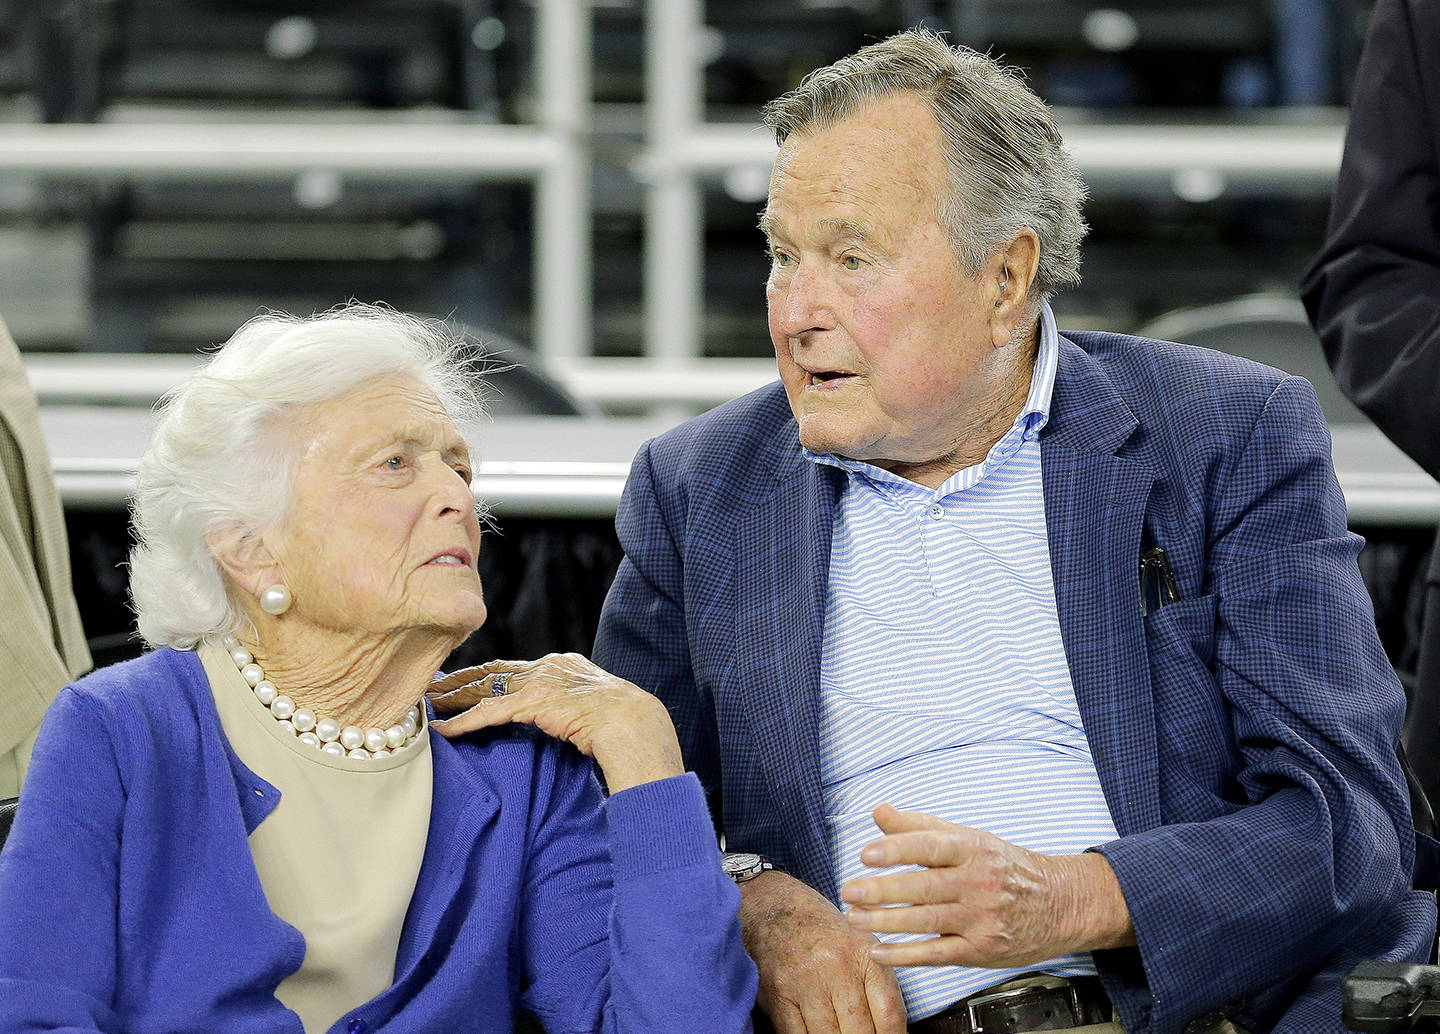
(743, 865)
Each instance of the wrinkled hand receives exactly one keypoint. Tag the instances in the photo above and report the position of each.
(990, 902)
(816, 973)
(626, 730)
(465, 688)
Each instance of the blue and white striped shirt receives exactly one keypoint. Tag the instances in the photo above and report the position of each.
(944, 684)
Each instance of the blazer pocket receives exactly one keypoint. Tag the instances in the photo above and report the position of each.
(1186, 625)
(1198, 758)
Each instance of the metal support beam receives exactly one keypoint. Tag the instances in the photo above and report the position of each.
(674, 219)
(564, 241)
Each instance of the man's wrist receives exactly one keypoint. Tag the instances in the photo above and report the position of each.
(744, 866)
(1085, 888)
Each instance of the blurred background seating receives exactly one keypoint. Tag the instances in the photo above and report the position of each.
(584, 178)
(1269, 328)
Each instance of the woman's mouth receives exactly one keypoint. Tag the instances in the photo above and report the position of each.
(456, 558)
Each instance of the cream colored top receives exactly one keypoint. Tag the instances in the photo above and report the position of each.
(338, 857)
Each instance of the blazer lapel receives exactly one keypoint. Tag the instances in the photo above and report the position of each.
(782, 553)
(1094, 512)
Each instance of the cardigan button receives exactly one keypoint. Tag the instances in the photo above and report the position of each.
(356, 1026)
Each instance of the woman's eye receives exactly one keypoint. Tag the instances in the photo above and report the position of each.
(851, 262)
(395, 463)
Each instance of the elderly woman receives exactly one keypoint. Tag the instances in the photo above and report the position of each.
(254, 827)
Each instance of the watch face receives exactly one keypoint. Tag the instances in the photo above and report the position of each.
(741, 863)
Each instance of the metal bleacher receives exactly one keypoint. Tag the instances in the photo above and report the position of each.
(583, 178)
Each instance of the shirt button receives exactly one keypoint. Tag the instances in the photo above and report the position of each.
(936, 511)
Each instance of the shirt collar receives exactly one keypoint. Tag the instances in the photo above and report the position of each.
(1032, 417)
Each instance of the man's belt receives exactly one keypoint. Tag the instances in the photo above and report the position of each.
(1023, 1005)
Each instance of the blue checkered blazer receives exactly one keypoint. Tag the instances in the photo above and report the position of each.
(1244, 736)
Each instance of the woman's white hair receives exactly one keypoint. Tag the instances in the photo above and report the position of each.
(222, 457)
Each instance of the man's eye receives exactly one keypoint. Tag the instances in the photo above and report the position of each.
(464, 473)
(395, 463)
(782, 259)
(851, 262)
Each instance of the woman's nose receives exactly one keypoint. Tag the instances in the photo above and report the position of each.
(451, 491)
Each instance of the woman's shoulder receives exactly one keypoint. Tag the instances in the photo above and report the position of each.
(146, 687)
(141, 675)
(519, 760)
(138, 712)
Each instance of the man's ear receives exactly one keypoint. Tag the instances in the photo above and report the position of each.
(245, 557)
(1012, 271)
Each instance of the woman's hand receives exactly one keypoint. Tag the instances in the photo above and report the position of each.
(625, 729)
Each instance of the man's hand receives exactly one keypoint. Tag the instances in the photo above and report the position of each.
(816, 973)
(991, 903)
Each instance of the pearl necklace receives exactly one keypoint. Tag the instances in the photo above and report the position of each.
(326, 734)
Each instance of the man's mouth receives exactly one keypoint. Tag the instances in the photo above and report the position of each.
(822, 377)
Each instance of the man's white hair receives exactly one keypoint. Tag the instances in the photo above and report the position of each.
(222, 456)
(1008, 167)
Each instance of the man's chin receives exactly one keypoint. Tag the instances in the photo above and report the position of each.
(823, 440)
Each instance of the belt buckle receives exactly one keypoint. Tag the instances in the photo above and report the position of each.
(1017, 996)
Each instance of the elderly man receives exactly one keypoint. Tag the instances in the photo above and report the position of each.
(1073, 619)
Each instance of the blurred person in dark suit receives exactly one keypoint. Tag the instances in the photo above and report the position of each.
(42, 646)
(1046, 654)
(1373, 292)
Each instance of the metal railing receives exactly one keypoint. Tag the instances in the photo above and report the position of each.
(553, 153)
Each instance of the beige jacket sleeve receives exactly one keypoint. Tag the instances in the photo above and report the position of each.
(42, 646)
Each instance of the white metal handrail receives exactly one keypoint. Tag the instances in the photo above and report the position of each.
(248, 151)
(1104, 152)
(139, 379)
(1381, 487)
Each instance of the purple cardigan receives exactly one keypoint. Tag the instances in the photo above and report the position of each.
(129, 901)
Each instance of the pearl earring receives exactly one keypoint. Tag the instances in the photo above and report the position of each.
(276, 599)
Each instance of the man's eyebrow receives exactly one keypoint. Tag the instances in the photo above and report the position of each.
(847, 229)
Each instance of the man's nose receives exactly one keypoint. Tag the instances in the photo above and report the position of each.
(804, 303)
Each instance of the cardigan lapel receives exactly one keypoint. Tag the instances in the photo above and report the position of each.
(461, 805)
(1094, 512)
(782, 553)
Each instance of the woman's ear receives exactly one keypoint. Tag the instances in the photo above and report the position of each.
(245, 557)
